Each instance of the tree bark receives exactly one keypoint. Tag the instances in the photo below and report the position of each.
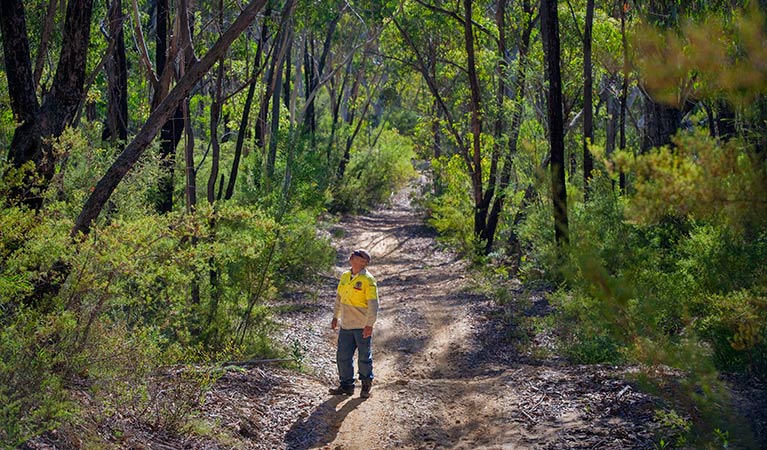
(351, 98)
(488, 228)
(263, 110)
(285, 35)
(480, 209)
(612, 104)
(661, 120)
(116, 124)
(157, 118)
(514, 127)
(661, 123)
(173, 128)
(38, 122)
(238, 149)
(314, 73)
(588, 90)
(26, 144)
(623, 96)
(45, 37)
(550, 37)
(215, 119)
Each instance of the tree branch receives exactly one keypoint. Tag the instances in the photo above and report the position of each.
(108, 183)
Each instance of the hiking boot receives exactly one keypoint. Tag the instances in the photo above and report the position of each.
(342, 390)
(366, 385)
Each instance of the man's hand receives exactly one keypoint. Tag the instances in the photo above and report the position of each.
(367, 332)
(334, 323)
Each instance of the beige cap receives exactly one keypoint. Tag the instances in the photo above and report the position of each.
(362, 254)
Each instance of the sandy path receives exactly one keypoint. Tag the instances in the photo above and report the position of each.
(444, 379)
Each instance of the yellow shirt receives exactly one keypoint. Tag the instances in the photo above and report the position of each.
(357, 300)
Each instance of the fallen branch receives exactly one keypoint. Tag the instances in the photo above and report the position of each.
(538, 402)
(528, 416)
(623, 391)
(256, 362)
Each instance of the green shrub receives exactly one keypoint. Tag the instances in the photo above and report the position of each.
(304, 253)
(33, 349)
(127, 306)
(599, 349)
(735, 325)
(375, 173)
(450, 211)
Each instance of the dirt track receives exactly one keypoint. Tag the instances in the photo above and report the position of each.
(446, 372)
(449, 374)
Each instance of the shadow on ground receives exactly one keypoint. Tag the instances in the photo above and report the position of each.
(322, 425)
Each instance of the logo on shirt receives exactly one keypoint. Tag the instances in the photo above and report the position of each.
(358, 285)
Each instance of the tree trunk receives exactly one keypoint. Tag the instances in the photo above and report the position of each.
(27, 139)
(725, 126)
(480, 209)
(263, 110)
(314, 74)
(286, 83)
(516, 123)
(173, 129)
(116, 124)
(215, 118)
(588, 90)
(351, 97)
(241, 133)
(661, 120)
(550, 37)
(612, 104)
(271, 152)
(62, 101)
(335, 114)
(39, 122)
(624, 96)
(284, 38)
(45, 37)
(488, 229)
(157, 118)
(190, 191)
(661, 123)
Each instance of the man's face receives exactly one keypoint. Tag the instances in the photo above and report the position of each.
(357, 262)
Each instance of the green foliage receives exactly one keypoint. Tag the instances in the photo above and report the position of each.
(450, 212)
(735, 325)
(32, 398)
(699, 177)
(302, 251)
(139, 292)
(674, 428)
(659, 281)
(597, 349)
(683, 287)
(374, 173)
(720, 55)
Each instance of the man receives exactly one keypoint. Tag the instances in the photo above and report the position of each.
(356, 309)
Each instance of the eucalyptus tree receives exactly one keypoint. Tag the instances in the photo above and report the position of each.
(550, 37)
(664, 110)
(173, 128)
(447, 72)
(116, 70)
(516, 96)
(159, 116)
(588, 91)
(43, 117)
(322, 24)
(467, 59)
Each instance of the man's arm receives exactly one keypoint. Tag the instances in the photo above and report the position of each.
(336, 309)
(372, 312)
